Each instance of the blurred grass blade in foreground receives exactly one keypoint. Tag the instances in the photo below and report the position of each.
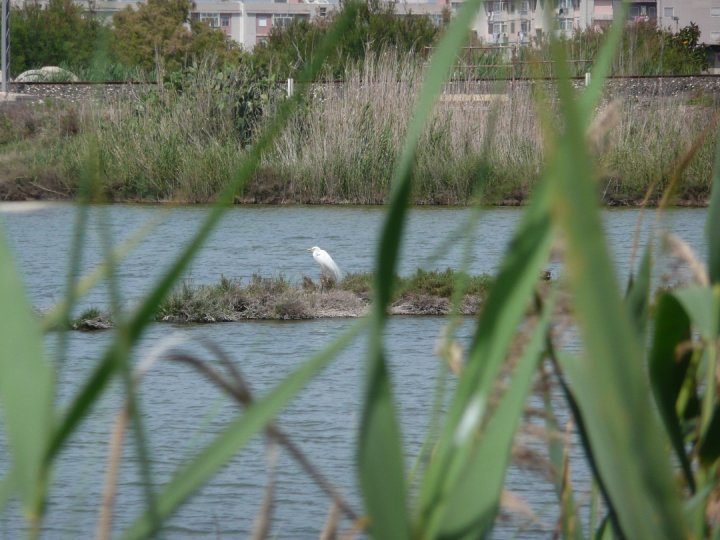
(26, 387)
(380, 455)
(473, 501)
(610, 383)
(256, 417)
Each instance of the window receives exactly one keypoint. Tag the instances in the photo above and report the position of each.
(715, 12)
(322, 11)
(212, 19)
(669, 12)
(715, 36)
(225, 20)
(525, 26)
(496, 7)
(566, 25)
(281, 20)
(262, 22)
(524, 7)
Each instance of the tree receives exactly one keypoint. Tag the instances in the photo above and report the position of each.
(161, 30)
(60, 33)
(376, 28)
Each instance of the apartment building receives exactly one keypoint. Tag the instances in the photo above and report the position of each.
(517, 22)
(503, 22)
(676, 14)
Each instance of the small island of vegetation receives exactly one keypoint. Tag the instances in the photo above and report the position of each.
(424, 293)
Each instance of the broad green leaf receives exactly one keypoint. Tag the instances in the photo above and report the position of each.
(701, 304)
(582, 432)
(668, 372)
(473, 501)
(712, 227)
(503, 311)
(623, 429)
(695, 510)
(637, 298)
(26, 385)
(380, 459)
(710, 444)
(217, 454)
(570, 522)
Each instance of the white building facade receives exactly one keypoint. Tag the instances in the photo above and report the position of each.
(501, 22)
(246, 21)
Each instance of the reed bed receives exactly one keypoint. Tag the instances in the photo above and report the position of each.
(341, 146)
(483, 139)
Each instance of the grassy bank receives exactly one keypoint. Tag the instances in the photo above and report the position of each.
(183, 142)
(424, 293)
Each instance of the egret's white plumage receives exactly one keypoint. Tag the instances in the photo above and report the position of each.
(328, 266)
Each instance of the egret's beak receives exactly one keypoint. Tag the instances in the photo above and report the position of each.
(308, 249)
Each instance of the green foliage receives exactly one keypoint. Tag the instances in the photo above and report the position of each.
(58, 33)
(241, 92)
(442, 284)
(376, 28)
(645, 50)
(155, 33)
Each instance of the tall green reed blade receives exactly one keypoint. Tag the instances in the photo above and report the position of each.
(98, 379)
(54, 317)
(637, 298)
(582, 431)
(570, 522)
(702, 305)
(380, 459)
(713, 219)
(26, 388)
(611, 387)
(668, 372)
(502, 313)
(256, 417)
(473, 501)
(124, 344)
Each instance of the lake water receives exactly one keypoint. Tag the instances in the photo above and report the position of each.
(182, 411)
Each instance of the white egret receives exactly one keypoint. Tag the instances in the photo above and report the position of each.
(329, 269)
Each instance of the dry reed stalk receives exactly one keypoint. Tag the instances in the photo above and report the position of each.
(680, 249)
(330, 529)
(240, 391)
(357, 527)
(113, 468)
(567, 491)
(264, 519)
(511, 502)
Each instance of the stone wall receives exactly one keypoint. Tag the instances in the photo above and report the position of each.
(76, 92)
(639, 87)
